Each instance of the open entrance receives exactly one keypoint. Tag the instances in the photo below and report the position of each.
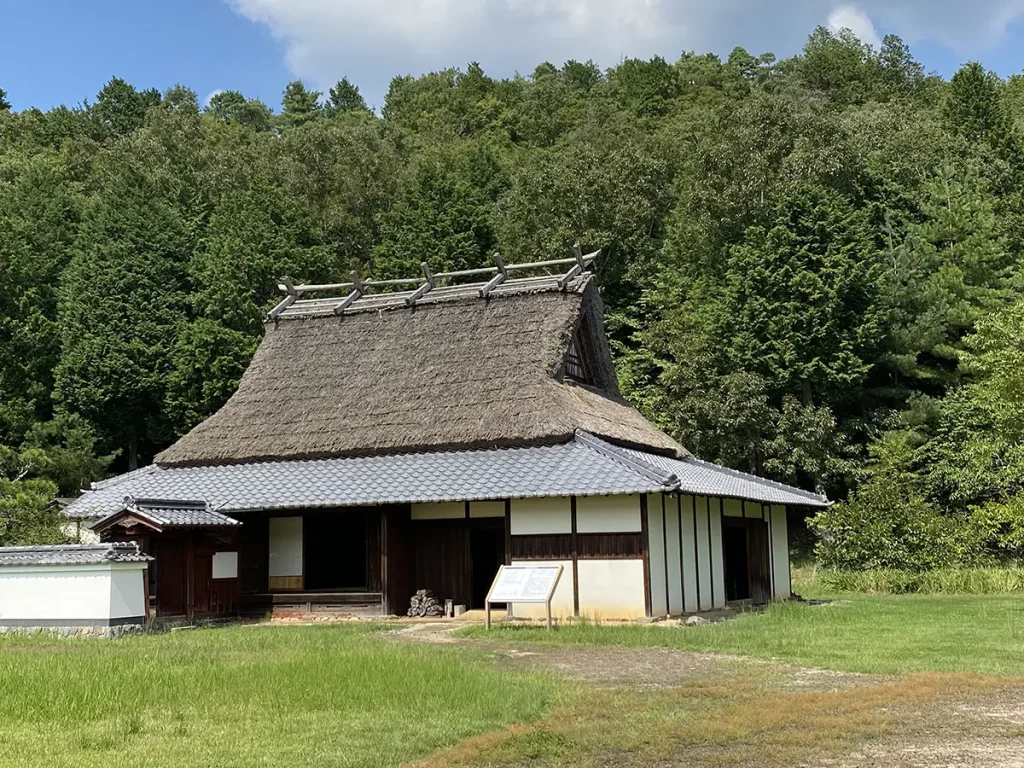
(486, 555)
(747, 560)
(336, 551)
(737, 574)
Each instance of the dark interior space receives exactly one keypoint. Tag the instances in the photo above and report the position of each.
(737, 573)
(335, 551)
(487, 554)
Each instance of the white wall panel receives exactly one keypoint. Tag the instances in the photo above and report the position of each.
(449, 510)
(732, 507)
(780, 553)
(612, 588)
(285, 546)
(540, 516)
(674, 558)
(225, 565)
(76, 594)
(717, 555)
(561, 602)
(689, 555)
(608, 514)
(127, 592)
(704, 553)
(656, 550)
(486, 509)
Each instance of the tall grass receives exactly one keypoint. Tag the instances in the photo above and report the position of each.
(243, 696)
(951, 581)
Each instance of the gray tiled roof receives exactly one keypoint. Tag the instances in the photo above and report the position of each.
(73, 554)
(585, 466)
(706, 479)
(177, 514)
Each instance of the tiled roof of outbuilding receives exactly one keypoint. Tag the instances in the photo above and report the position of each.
(73, 554)
(584, 466)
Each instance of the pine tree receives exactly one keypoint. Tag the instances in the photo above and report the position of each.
(299, 105)
(345, 97)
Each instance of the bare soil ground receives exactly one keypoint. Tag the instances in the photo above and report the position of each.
(642, 706)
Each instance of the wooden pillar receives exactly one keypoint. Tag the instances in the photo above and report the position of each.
(190, 579)
(645, 540)
(575, 558)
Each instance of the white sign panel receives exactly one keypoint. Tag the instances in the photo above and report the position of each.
(524, 584)
(225, 565)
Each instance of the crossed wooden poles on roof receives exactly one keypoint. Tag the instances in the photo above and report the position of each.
(357, 289)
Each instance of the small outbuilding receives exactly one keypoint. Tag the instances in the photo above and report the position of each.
(97, 588)
(381, 443)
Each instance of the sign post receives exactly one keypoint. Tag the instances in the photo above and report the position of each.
(523, 584)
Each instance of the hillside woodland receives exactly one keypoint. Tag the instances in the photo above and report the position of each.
(812, 267)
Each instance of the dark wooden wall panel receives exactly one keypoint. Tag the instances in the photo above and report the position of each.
(442, 560)
(253, 553)
(398, 558)
(594, 546)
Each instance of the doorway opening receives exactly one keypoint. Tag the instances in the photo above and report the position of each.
(737, 571)
(486, 555)
(336, 551)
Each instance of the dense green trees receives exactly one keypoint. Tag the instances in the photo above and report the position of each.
(811, 266)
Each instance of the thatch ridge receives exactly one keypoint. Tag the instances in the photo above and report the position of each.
(462, 373)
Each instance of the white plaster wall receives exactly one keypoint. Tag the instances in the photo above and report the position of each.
(780, 553)
(448, 510)
(55, 594)
(285, 546)
(487, 509)
(561, 601)
(540, 516)
(674, 558)
(77, 593)
(703, 553)
(689, 554)
(733, 507)
(225, 565)
(611, 588)
(656, 554)
(608, 514)
(127, 592)
(717, 555)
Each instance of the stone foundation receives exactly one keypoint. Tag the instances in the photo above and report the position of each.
(104, 632)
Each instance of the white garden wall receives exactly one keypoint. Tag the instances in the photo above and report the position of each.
(101, 595)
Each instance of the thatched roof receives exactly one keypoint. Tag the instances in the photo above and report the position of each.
(458, 372)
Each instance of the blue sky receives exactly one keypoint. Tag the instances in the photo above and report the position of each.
(63, 51)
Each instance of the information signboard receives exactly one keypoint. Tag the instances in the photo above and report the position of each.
(524, 584)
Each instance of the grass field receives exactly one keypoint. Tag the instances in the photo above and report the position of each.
(246, 696)
(856, 633)
(582, 696)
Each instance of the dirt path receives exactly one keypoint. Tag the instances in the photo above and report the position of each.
(673, 708)
(636, 668)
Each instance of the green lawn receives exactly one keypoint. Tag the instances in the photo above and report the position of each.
(248, 696)
(343, 695)
(856, 633)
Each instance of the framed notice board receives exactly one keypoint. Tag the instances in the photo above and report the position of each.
(524, 584)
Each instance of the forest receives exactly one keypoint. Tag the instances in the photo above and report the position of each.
(811, 266)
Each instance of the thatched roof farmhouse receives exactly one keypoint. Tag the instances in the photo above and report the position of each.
(383, 442)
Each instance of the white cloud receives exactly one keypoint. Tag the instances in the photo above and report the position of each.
(372, 40)
(852, 18)
(211, 94)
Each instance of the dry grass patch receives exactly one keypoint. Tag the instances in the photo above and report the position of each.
(740, 721)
